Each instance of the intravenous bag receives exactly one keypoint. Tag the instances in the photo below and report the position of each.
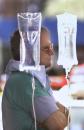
(29, 27)
(67, 29)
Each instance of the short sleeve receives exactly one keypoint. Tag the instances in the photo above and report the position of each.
(44, 107)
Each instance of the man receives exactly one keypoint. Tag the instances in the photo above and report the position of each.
(17, 111)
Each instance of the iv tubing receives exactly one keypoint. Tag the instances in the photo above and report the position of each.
(68, 84)
(33, 88)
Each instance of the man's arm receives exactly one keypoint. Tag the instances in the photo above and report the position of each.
(50, 115)
(56, 121)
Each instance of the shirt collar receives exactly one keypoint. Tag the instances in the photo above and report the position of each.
(13, 65)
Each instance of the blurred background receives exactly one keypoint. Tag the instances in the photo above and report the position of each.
(49, 9)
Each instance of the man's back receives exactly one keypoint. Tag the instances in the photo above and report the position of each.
(17, 102)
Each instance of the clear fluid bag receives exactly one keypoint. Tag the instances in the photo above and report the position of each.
(67, 29)
(29, 25)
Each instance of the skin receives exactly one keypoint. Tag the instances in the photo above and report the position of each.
(46, 51)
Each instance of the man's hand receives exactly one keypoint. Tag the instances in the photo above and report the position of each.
(63, 109)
